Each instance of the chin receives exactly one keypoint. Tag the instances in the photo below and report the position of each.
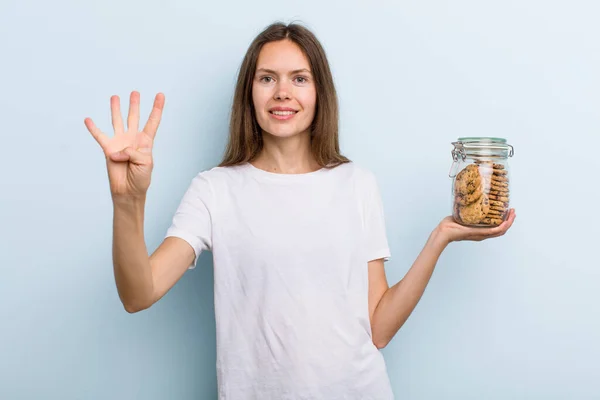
(285, 132)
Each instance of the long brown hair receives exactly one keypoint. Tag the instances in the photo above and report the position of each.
(245, 137)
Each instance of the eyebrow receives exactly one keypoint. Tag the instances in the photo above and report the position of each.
(270, 71)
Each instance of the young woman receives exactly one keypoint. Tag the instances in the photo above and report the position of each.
(296, 230)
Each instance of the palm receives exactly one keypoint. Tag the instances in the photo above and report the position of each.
(125, 139)
(129, 176)
(456, 232)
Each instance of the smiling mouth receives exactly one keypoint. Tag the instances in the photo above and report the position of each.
(283, 113)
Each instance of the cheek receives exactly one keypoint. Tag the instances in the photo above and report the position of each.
(259, 99)
(309, 101)
(307, 98)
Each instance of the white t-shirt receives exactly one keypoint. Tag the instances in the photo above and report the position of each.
(290, 256)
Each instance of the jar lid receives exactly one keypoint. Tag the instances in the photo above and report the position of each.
(481, 139)
(481, 147)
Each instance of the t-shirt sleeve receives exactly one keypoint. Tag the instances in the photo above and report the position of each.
(375, 228)
(192, 221)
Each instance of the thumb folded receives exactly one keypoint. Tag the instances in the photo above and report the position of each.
(134, 156)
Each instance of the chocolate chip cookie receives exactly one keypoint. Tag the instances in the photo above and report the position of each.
(468, 186)
(473, 213)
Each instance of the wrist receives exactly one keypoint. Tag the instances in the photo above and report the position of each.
(128, 201)
(440, 237)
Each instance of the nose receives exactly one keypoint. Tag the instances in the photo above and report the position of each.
(282, 91)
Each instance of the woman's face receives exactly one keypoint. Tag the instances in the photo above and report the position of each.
(283, 90)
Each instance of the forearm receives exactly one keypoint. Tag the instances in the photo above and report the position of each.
(131, 262)
(400, 300)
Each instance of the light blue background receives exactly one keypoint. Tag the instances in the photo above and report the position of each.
(516, 317)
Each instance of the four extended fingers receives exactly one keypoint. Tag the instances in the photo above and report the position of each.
(132, 119)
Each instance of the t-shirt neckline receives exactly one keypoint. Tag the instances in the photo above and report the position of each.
(283, 177)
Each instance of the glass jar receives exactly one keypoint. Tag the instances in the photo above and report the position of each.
(480, 181)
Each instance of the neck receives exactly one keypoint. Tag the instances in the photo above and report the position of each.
(291, 155)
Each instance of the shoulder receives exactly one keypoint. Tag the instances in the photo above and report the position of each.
(206, 184)
(217, 176)
(359, 174)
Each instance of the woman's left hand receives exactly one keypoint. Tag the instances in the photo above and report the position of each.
(454, 232)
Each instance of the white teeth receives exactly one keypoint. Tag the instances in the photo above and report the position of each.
(283, 112)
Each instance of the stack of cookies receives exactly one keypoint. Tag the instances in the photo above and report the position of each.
(481, 194)
(496, 187)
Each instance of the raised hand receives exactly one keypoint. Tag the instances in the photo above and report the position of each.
(129, 152)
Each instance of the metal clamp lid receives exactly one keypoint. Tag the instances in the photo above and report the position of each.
(491, 147)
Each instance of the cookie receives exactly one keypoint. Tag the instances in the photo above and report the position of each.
(498, 184)
(494, 212)
(469, 198)
(467, 181)
(498, 208)
(500, 191)
(499, 178)
(496, 190)
(497, 203)
(491, 221)
(468, 185)
(474, 212)
(498, 198)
